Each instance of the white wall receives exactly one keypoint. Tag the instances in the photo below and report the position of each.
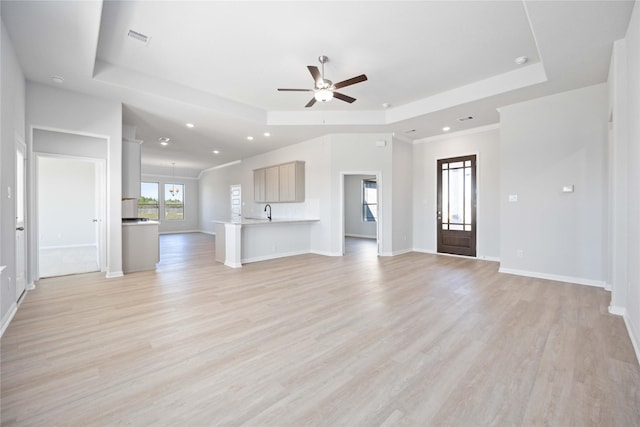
(326, 158)
(66, 193)
(402, 197)
(12, 123)
(71, 112)
(545, 144)
(626, 108)
(214, 196)
(359, 153)
(191, 199)
(485, 144)
(354, 226)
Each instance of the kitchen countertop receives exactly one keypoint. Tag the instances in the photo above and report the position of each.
(264, 221)
(128, 223)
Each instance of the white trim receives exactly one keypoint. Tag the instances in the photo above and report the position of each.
(394, 253)
(151, 175)
(86, 245)
(212, 233)
(180, 231)
(479, 129)
(617, 310)
(325, 253)
(359, 236)
(342, 208)
(8, 317)
(233, 264)
(235, 162)
(113, 274)
(556, 277)
(273, 256)
(634, 339)
(488, 258)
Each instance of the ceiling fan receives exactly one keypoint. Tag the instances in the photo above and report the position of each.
(324, 89)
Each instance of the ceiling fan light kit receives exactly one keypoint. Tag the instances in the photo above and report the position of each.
(324, 90)
(323, 95)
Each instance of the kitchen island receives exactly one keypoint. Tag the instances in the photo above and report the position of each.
(254, 239)
(140, 245)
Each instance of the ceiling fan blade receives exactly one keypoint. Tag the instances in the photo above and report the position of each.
(315, 73)
(343, 97)
(295, 90)
(310, 103)
(350, 81)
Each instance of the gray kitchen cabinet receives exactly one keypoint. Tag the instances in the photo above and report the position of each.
(280, 183)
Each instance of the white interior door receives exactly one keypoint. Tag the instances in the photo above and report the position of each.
(68, 216)
(20, 204)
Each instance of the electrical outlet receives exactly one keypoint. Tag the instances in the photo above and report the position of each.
(520, 253)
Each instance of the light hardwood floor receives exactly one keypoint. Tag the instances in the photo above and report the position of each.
(359, 340)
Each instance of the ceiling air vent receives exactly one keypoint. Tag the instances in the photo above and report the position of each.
(139, 36)
(465, 118)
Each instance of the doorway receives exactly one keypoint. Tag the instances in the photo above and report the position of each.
(360, 214)
(70, 193)
(20, 223)
(456, 207)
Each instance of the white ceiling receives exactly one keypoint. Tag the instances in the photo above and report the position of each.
(217, 64)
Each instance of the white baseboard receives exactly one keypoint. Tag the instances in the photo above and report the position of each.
(618, 311)
(272, 256)
(359, 236)
(556, 277)
(212, 233)
(233, 264)
(114, 274)
(325, 253)
(635, 339)
(480, 257)
(179, 231)
(6, 319)
(394, 253)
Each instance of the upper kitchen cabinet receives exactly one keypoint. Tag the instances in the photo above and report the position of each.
(130, 163)
(280, 183)
(259, 185)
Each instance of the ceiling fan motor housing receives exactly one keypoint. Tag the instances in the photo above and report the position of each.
(324, 84)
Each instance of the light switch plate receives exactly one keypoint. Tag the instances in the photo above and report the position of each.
(513, 197)
(567, 189)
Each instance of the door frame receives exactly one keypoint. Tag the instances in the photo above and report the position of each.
(100, 206)
(379, 222)
(437, 224)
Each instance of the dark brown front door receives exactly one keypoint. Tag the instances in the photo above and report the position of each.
(456, 215)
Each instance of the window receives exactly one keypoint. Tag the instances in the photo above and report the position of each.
(369, 200)
(148, 206)
(174, 201)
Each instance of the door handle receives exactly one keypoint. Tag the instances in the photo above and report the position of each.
(19, 228)
(95, 220)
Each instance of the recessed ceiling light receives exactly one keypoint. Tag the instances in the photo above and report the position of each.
(250, 138)
(385, 105)
(266, 134)
(521, 60)
(216, 152)
(189, 125)
(57, 79)
(446, 128)
(164, 140)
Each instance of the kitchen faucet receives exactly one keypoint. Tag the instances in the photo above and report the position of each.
(265, 209)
